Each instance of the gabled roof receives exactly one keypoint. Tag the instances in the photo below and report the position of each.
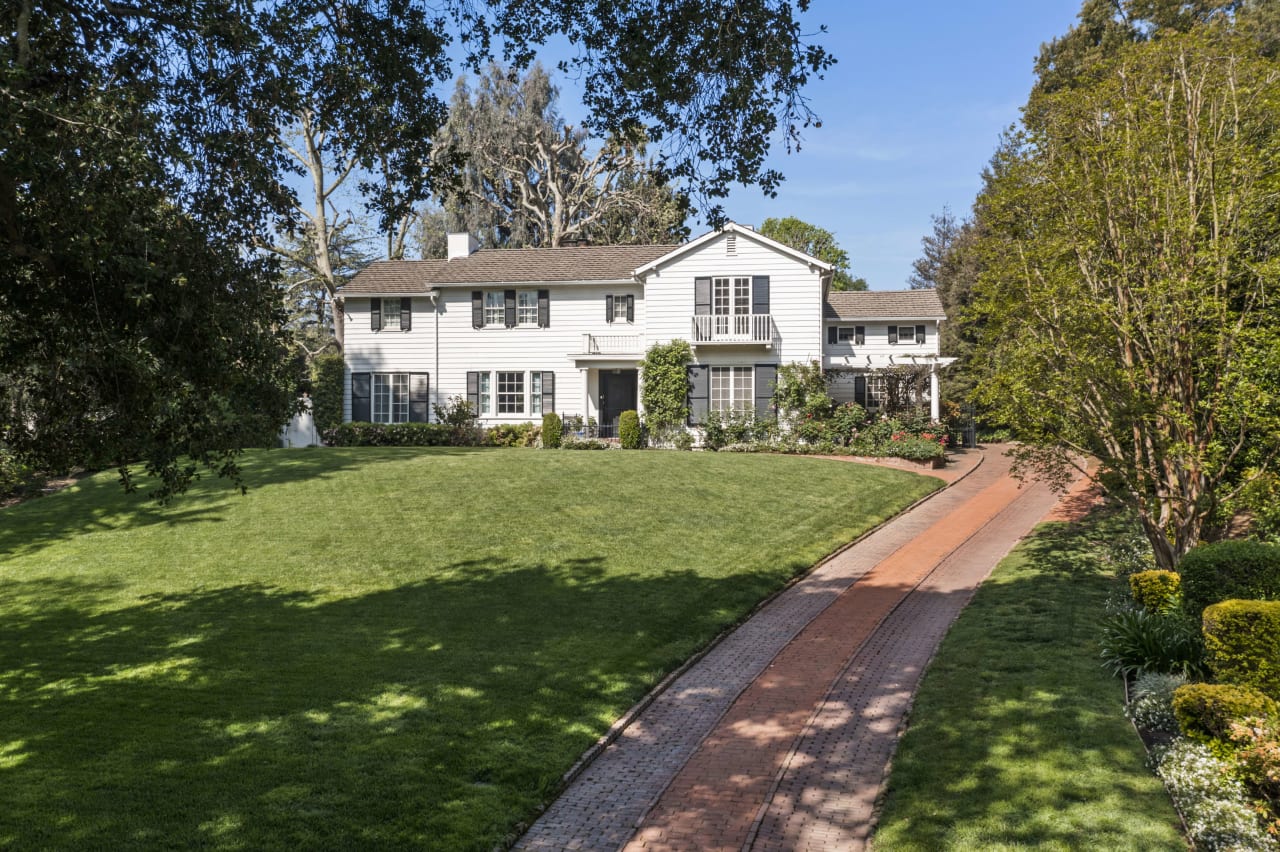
(505, 266)
(883, 304)
(732, 228)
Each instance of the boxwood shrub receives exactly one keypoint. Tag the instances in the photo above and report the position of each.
(1229, 569)
(390, 435)
(1205, 711)
(552, 430)
(1242, 644)
(1154, 591)
(629, 430)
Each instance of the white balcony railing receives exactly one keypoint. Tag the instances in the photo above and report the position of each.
(733, 328)
(611, 344)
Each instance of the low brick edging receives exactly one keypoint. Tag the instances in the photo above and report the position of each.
(628, 718)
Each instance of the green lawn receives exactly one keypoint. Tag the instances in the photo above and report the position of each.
(1017, 739)
(375, 647)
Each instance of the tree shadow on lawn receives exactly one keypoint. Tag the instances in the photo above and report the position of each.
(99, 502)
(436, 714)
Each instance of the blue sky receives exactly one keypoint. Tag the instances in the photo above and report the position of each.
(911, 114)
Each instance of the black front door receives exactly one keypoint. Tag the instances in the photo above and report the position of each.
(617, 394)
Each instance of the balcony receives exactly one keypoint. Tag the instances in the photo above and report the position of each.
(709, 329)
(611, 344)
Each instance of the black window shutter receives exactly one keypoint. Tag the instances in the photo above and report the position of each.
(544, 309)
(473, 391)
(406, 314)
(360, 412)
(919, 334)
(860, 390)
(419, 398)
(760, 294)
(631, 308)
(548, 391)
(860, 334)
(893, 334)
(832, 331)
(375, 315)
(608, 308)
(702, 296)
(699, 393)
(766, 382)
(509, 298)
(477, 309)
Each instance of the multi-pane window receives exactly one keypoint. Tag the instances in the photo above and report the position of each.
(390, 316)
(510, 393)
(535, 392)
(877, 387)
(846, 334)
(391, 397)
(619, 308)
(732, 388)
(495, 309)
(526, 307)
(730, 296)
(485, 396)
(906, 334)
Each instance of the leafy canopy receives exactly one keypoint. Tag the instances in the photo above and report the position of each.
(815, 242)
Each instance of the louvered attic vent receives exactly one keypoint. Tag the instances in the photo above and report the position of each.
(731, 245)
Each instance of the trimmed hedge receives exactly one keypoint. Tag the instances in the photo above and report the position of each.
(629, 430)
(326, 391)
(1154, 591)
(1242, 644)
(552, 430)
(1205, 711)
(1226, 570)
(390, 435)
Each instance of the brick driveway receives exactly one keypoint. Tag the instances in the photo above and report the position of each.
(781, 735)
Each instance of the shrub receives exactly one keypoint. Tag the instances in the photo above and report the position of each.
(919, 449)
(1205, 711)
(1151, 701)
(1154, 591)
(327, 374)
(1229, 569)
(1242, 644)
(390, 435)
(1135, 641)
(1213, 803)
(629, 430)
(512, 435)
(1257, 744)
(459, 415)
(14, 473)
(572, 443)
(664, 385)
(682, 441)
(847, 421)
(552, 430)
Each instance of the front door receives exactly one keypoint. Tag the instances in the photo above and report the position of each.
(617, 394)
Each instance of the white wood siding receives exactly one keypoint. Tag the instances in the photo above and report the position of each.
(877, 342)
(795, 301)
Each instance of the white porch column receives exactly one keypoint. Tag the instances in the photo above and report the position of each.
(935, 395)
(586, 393)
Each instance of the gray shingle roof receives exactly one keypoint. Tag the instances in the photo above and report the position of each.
(883, 304)
(505, 266)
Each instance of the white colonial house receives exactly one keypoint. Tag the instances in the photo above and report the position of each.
(520, 332)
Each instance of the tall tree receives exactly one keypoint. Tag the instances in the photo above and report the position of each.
(137, 130)
(528, 178)
(816, 242)
(1128, 293)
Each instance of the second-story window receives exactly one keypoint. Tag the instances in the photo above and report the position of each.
(527, 307)
(494, 308)
(619, 308)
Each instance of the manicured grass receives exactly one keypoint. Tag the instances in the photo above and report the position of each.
(375, 648)
(1017, 739)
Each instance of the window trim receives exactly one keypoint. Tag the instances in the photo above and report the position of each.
(910, 338)
(387, 397)
(505, 376)
(495, 313)
(732, 401)
(852, 334)
(526, 310)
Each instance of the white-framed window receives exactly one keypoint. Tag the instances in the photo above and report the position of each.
(510, 393)
(877, 389)
(390, 317)
(535, 392)
(495, 308)
(485, 394)
(846, 334)
(730, 296)
(391, 397)
(619, 308)
(906, 334)
(732, 388)
(527, 307)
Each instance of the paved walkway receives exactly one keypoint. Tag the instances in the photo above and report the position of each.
(780, 737)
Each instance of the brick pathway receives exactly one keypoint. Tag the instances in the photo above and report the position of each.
(780, 736)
